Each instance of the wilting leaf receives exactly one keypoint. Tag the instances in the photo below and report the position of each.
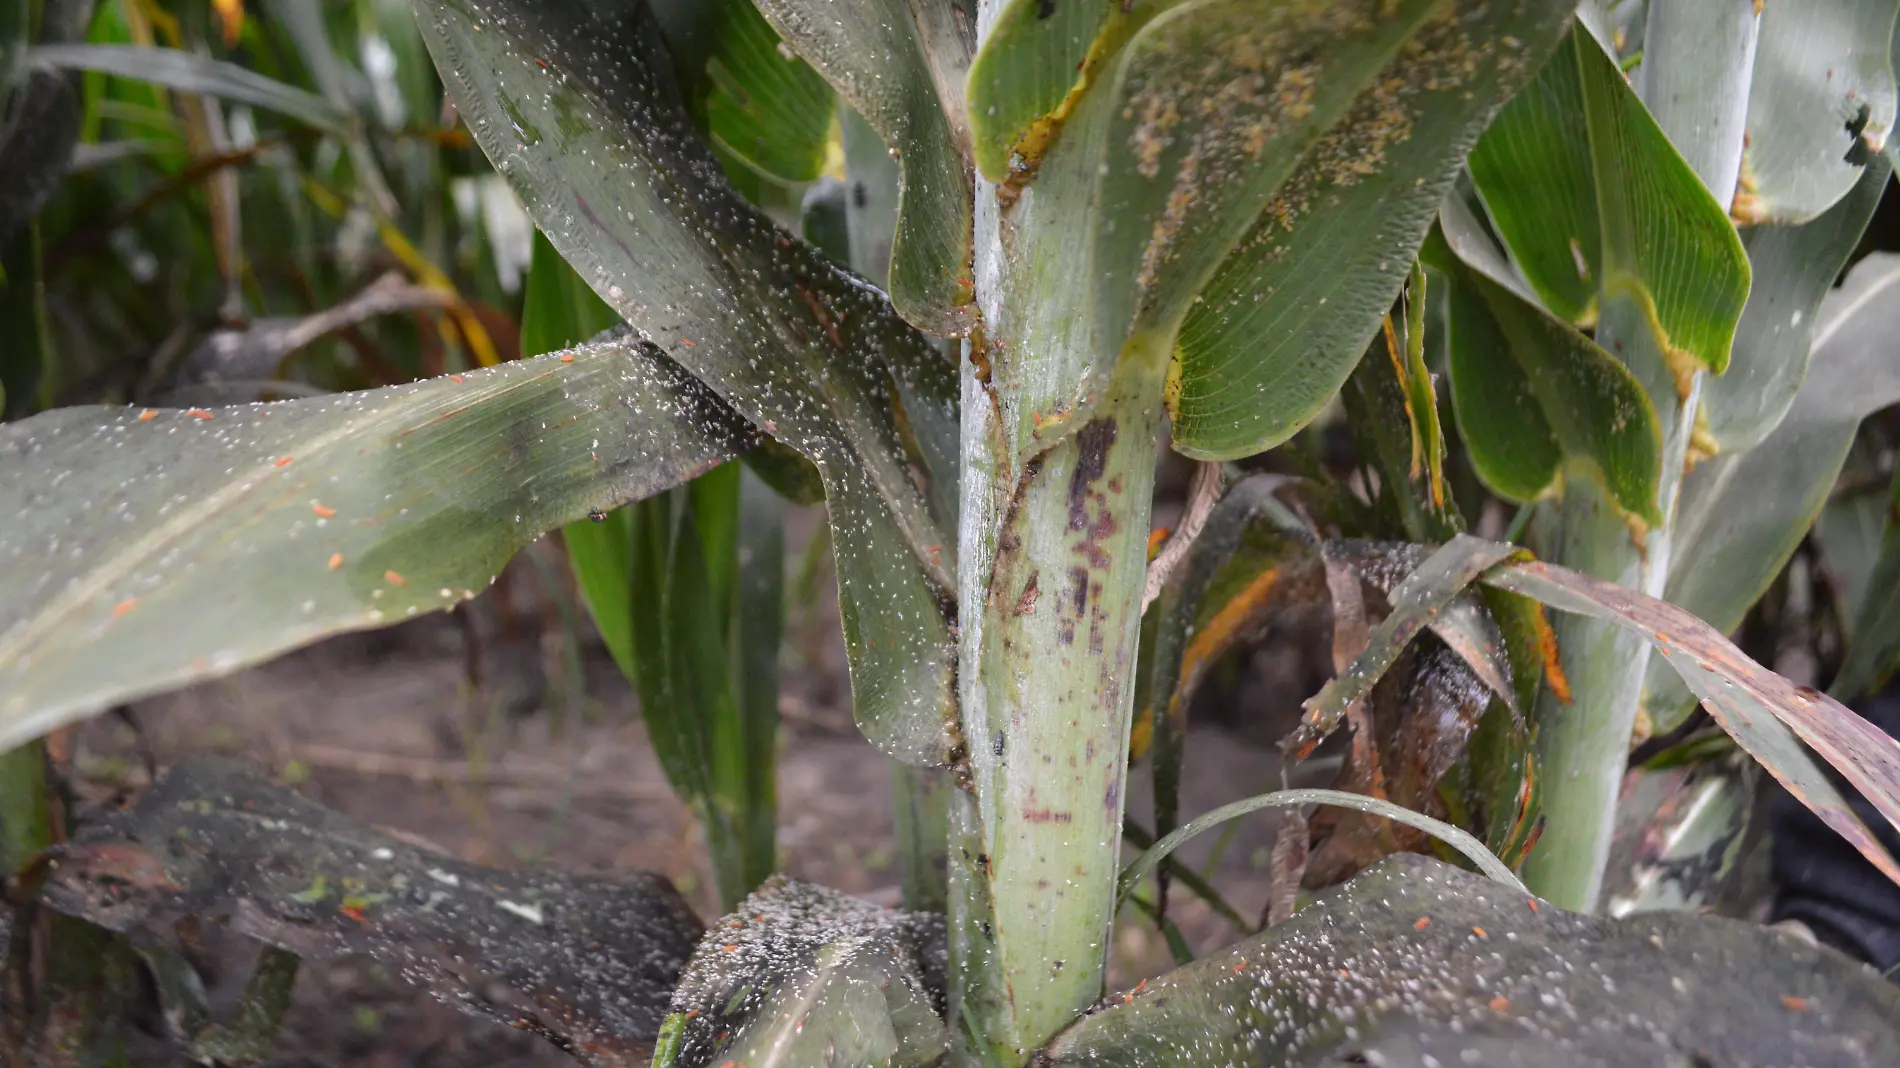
(802, 975)
(1418, 963)
(1762, 711)
(1616, 214)
(587, 962)
(1794, 270)
(766, 107)
(191, 73)
(1392, 403)
(1416, 602)
(901, 65)
(1820, 107)
(1873, 650)
(1277, 327)
(1745, 514)
(573, 106)
(152, 547)
(1586, 402)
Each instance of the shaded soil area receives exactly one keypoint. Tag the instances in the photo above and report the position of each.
(509, 738)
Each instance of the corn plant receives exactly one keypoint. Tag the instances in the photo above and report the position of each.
(1067, 236)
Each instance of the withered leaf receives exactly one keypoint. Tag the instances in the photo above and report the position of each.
(587, 962)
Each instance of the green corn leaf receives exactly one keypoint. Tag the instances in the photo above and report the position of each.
(1795, 267)
(901, 65)
(1614, 215)
(1821, 105)
(191, 73)
(1416, 962)
(763, 105)
(1746, 513)
(604, 158)
(1589, 416)
(1217, 156)
(1766, 714)
(686, 591)
(1035, 57)
(152, 548)
(1280, 323)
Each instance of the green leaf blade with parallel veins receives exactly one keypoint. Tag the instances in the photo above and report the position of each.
(764, 106)
(577, 111)
(1033, 59)
(1286, 315)
(1667, 243)
(154, 548)
(901, 65)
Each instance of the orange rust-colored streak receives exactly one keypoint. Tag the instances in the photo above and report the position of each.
(1405, 392)
(355, 913)
(1155, 538)
(1224, 629)
(394, 579)
(336, 561)
(322, 512)
(1547, 649)
(125, 606)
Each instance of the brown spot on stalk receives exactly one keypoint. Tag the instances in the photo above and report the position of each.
(1045, 815)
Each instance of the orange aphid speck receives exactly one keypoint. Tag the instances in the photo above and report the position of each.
(322, 512)
(336, 561)
(283, 461)
(198, 413)
(729, 948)
(125, 606)
(1423, 922)
(1532, 902)
(1795, 1003)
(1500, 1004)
(1479, 931)
(147, 415)
(455, 378)
(567, 357)
(394, 579)
(688, 342)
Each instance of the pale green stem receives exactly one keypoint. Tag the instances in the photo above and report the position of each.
(1054, 556)
(1698, 63)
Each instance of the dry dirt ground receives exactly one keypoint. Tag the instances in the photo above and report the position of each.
(546, 763)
